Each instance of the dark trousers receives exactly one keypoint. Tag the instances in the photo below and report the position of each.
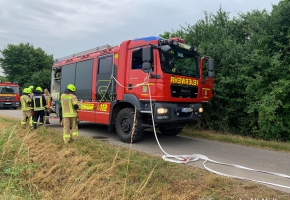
(38, 114)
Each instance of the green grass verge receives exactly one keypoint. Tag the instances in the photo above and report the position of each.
(235, 139)
(37, 165)
(14, 163)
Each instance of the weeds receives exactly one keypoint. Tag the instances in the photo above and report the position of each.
(45, 168)
(14, 164)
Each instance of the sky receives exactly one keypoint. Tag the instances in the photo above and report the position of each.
(65, 27)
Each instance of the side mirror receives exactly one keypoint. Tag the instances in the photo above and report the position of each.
(147, 54)
(166, 48)
(211, 72)
(146, 67)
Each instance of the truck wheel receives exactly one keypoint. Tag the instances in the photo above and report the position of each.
(170, 129)
(124, 125)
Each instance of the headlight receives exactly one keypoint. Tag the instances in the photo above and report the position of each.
(200, 110)
(162, 110)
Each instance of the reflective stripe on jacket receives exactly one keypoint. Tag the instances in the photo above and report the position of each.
(24, 103)
(67, 102)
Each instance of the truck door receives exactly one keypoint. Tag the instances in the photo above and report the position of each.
(137, 76)
(103, 88)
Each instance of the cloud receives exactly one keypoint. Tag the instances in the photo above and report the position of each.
(64, 27)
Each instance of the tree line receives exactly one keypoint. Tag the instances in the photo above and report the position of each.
(252, 61)
(26, 65)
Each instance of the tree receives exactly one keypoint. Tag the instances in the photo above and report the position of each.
(251, 53)
(3, 79)
(26, 65)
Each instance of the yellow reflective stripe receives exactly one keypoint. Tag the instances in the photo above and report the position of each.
(75, 133)
(66, 135)
(23, 123)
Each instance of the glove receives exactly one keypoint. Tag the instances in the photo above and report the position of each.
(76, 106)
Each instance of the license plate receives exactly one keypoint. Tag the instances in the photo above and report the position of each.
(186, 110)
(8, 103)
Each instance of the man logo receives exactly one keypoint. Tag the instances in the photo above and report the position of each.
(184, 91)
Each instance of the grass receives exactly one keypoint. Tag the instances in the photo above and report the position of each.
(37, 165)
(14, 163)
(236, 139)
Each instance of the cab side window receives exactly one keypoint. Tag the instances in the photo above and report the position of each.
(137, 59)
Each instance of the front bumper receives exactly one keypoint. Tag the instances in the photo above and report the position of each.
(9, 104)
(177, 112)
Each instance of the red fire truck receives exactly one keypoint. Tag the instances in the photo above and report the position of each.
(9, 95)
(112, 85)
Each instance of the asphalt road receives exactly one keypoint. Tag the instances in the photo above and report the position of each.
(260, 159)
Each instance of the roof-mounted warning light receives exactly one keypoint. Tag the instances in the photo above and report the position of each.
(177, 40)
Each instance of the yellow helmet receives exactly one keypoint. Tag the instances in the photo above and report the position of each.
(71, 87)
(26, 90)
(31, 87)
(39, 89)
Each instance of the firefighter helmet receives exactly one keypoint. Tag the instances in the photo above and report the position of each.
(26, 90)
(71, 87)
(31, 87)
(39, 89)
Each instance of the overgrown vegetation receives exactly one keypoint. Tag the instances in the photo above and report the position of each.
(15, 167)
(37, 165)
(251, 53)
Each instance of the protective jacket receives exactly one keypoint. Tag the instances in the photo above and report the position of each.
(38, 101)
(69, 104)
(25, 102)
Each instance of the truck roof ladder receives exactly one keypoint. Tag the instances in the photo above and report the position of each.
(96, 49)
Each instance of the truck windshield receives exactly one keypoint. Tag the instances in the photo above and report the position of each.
(179, 61)
(8, 90)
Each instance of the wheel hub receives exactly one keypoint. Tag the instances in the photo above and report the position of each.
(125, 125)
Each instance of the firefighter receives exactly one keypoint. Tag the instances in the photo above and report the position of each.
(47, 108)
(69, 104)
(38, 105)
(31, 91)
(25, 107)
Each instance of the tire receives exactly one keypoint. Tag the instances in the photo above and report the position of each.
(124, 125)
(170, 129)
(14, 108)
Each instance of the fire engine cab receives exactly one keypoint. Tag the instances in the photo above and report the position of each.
(113, 85)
